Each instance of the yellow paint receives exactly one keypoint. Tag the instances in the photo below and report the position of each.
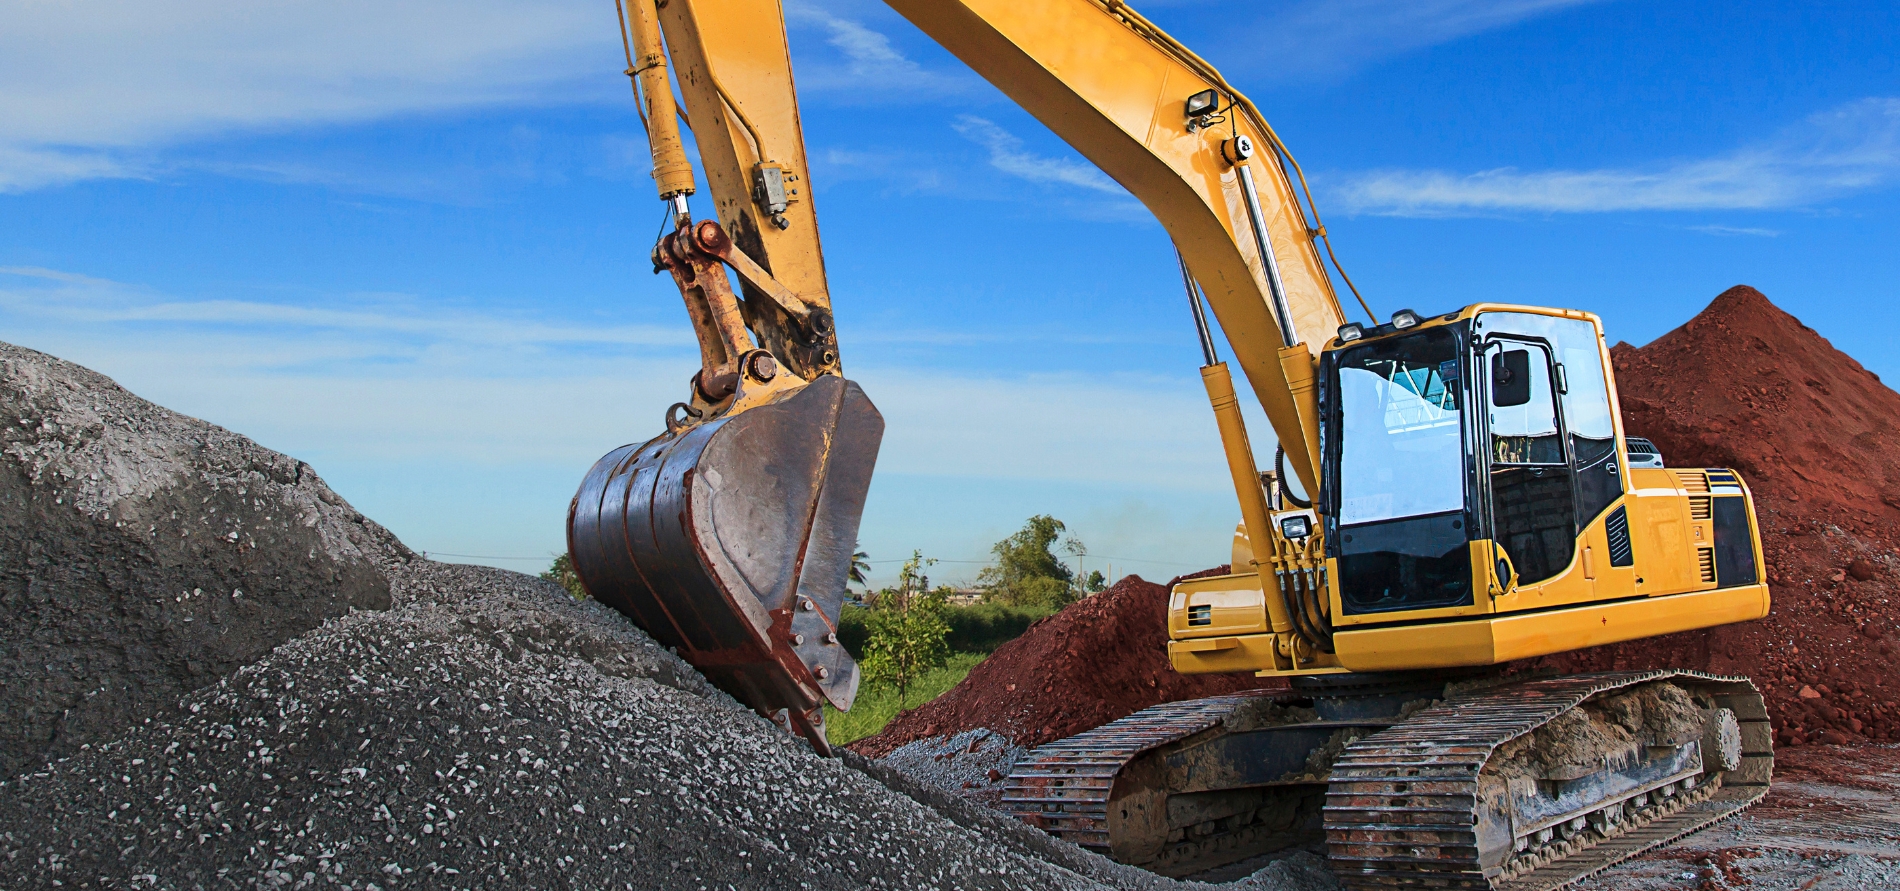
(1501, 639)
(744, 42)
(1244, 473)
(1114, 86)
(1235, 603)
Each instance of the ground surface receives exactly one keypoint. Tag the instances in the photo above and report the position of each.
(1831, 823)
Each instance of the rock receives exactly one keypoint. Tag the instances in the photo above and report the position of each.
(1808, 692)
(1862, 569)
(126, 533)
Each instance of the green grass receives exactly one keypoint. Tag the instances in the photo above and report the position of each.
(877, 703)
(978, 628)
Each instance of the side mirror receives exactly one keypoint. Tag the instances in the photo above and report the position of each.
(1506, 576)
(1511, 378)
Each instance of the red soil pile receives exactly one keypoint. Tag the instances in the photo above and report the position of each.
(1746, 386)
(1100, 659)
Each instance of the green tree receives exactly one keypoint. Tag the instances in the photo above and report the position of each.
(907, 629)
(1096, 583)
(562, 573)
(860, 564)
(1026, 571)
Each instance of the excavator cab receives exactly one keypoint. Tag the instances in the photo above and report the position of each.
(1478, 506)
(1497, 428)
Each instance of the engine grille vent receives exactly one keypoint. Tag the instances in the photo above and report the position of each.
(1617, 527)
(1705, 559)
(1701, 507)
(1693, 481)
(1204, 614)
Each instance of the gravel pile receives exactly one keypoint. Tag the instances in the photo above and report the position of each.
(488, 731)
(218, 675)
(144, 554)
(972, 764)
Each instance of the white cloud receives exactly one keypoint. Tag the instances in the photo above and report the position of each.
(93, 87)
(467, 432)
(397, 378)
(1007, 155)
(23, 168)
(1851, 148)
(872, 70)
(1713, 229)
(1324, 37)
(396, 322)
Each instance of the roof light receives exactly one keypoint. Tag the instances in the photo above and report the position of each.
(1350, 332)
(1404, 319)
(1201, 103)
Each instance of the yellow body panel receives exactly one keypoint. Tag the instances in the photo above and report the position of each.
(1234, 604)
(1487, 641)
(1497, 639)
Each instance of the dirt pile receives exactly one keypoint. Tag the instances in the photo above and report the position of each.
(1745, 385)
(1100, 659)
(144, 554)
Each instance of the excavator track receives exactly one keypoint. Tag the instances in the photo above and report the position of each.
(1063, 788)
(1405, 810)
(1186, 787)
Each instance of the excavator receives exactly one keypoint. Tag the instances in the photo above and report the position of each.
(1451, 492)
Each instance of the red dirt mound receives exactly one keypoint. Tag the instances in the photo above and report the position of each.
(1745, 385)
(1100, 659)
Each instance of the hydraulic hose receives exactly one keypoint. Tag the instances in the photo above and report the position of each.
(1279, 473)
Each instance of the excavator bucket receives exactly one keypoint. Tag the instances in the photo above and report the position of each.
(731, 542)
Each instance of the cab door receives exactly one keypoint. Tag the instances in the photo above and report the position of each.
(1532, 497)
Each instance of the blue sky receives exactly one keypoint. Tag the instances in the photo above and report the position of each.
(406, 243)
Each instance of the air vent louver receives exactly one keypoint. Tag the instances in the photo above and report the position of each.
(1705, 560)
(1617, 527)
(1693, 481)
(1701, 507)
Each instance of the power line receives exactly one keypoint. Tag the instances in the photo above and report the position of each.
(1091, 556)
(479, 556)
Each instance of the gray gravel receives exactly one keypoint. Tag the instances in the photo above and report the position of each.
(488, 731)
(144, 554)
(972, 764)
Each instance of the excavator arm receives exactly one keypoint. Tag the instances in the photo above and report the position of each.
(1107, 81)
(758, 531)
(1118, 90)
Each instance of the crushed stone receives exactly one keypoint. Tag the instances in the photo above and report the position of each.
(972, 764)
(144, 554)
(489, 731)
